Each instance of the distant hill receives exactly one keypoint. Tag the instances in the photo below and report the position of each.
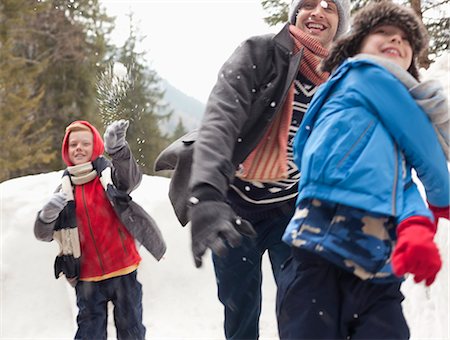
(189, 109)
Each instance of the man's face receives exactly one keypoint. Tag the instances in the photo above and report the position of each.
(81, 144)
(318, 18)
(389, 42)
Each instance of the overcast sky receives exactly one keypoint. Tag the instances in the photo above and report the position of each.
(188, 40)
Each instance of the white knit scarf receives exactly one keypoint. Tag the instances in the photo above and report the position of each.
(66, 230)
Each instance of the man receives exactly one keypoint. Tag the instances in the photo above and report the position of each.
(242, 160)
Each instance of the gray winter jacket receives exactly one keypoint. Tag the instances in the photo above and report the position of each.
(126, 176)
(251, 88)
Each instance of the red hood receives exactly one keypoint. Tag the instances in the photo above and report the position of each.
(98, 149)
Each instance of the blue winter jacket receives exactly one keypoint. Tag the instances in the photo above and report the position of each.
(359, 139)
(356, 146)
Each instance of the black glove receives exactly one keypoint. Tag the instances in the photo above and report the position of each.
(67, 265)
(212, 224)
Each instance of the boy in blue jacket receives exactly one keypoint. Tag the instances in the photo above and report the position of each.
(360, 222)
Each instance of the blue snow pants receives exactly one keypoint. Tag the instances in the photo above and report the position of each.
(125, 292)
(318, 300)
(239, 275)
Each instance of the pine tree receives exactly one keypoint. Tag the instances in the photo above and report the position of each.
(180, 130)
(24, 143)
(74, 39)
(278, 11)
(140, 102)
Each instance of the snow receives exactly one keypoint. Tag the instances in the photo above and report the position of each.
(119, 70)
(180, 301)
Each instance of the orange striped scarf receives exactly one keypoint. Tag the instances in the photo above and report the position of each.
(268, 161)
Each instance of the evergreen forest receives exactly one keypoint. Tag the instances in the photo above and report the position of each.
(57, 65)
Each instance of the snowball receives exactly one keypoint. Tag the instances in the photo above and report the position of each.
(120, 71)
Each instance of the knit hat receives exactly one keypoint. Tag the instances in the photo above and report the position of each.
(371, 16)
(343, 7)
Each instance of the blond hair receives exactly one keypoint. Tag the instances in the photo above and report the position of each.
(77, 127)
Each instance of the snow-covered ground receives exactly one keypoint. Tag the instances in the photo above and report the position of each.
(179, 300)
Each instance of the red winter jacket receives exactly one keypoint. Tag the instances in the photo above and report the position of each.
(107, 248)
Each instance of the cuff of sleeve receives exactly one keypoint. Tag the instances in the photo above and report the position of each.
(115, 150)
(206, 192)
(416, 221)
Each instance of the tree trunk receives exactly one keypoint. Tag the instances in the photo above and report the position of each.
(423, 59)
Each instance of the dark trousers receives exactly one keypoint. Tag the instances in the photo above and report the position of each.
(125, 292)
(318, 300)
(239, 276)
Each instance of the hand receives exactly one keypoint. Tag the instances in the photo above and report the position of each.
(439, 212)
(212, 224)
(415, 251)
(51, 210)
(114, 136)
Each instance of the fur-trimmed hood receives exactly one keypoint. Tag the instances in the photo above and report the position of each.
(371, 16)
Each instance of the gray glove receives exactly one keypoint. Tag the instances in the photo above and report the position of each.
(114, 136)
(212, 224)
(51, 210)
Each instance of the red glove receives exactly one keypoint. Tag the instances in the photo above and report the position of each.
(415, 251)
(439, 212)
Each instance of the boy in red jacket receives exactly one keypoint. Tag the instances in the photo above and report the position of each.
(96, 223)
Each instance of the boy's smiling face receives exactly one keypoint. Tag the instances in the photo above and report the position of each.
(81, 144)
(390, 42)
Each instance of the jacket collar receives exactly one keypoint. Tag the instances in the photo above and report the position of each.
(284, 38)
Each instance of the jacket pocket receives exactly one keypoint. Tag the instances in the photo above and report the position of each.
(168, 158)
(336, 144)
(190, 137)
(355, 148)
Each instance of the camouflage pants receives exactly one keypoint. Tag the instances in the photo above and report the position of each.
(358, 241)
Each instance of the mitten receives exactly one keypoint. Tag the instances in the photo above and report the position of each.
(114, 136)
(415, 251)
(213, 223)
(51, 210)
(439, 212)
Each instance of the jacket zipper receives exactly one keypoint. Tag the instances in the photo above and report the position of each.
(283, 98)
(394, 189)
(122, 239)
(354, 145)
(91, 231)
